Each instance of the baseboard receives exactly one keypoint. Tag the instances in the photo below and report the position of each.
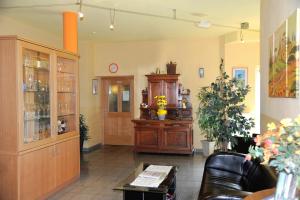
(196, 150)
(92, 148)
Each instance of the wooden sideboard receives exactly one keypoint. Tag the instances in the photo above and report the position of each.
(164, 136)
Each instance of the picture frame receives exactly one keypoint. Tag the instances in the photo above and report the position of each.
(241, 74)
(95, 86)
(201, 72)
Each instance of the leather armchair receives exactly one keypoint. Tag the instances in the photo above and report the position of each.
(228, 175)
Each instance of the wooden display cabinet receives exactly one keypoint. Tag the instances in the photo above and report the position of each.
(38, 91)
(163, 84)
(172, 135)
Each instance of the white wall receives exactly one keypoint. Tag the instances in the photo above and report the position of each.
(9, 26)
(89, 103)
(273, 13)
(239, 54)
(140, 58)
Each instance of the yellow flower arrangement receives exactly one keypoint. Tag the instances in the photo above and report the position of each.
(161, 102)
(279, 146)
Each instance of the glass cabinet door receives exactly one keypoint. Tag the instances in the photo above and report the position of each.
(66, 95)
(36, 74)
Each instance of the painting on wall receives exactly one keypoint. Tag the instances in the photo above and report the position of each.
(283, 58)
(271, 65)
(278, 74)
(292, 86)
(240, 73)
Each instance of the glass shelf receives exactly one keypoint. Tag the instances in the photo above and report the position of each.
(37, 68)
(66, 95)
(36, 77)
(65, 114)
(70, 92)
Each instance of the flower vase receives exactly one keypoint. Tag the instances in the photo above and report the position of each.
(161, 117)
(286, 186)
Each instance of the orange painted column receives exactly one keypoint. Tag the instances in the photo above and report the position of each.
(70, 31)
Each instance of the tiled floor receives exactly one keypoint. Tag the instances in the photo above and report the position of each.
(101, 171)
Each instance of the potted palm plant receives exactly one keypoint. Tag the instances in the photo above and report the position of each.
(83, 130)
(220, 112)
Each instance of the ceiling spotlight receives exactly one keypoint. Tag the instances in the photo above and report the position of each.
(203, 24)
(112, 14)
(80, 13)
(111, 27)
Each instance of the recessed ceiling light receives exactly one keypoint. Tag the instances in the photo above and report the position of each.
(203, 24)
(94, 32)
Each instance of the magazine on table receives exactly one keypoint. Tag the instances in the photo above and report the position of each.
(152, 176)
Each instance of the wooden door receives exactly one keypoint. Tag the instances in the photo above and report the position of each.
(67, 161)
(37, 173)
(117, 104)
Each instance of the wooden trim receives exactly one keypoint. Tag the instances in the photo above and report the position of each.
(48, 144)
(15, 37)
(92, 148)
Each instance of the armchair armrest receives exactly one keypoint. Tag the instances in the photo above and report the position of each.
(226, 194)
(227, 161)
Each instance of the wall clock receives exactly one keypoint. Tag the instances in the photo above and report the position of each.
(113, 68)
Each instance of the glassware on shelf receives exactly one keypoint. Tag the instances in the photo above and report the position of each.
(61, 126)
(36, 96)
(26, 60)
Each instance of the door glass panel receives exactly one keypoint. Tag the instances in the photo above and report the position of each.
(113, 98)
(66, 95)
(36, 74)
(126, 98)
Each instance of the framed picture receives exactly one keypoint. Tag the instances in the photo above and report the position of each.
(201, 72)
(241, 74)
(283, 59)
(95, 86)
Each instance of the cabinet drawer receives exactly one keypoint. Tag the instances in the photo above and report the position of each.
(147, 125)
(176, 125)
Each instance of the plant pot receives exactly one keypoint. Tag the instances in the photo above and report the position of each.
(81, 144)
(208, 147)
(286, 186)
(171, 68)
(161, 117)
(224, 146)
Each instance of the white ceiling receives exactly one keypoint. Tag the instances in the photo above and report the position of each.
(137, 27)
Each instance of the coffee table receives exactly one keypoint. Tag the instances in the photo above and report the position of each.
(165, 191)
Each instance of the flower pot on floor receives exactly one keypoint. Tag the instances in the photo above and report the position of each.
(208, 147)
